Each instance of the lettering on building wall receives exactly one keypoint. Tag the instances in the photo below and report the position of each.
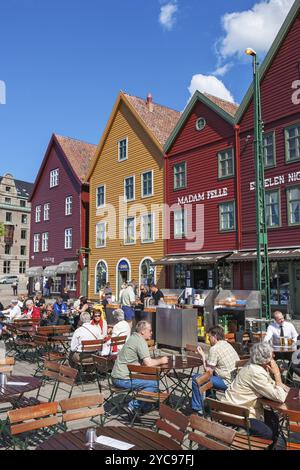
(279, 180)
(207, 195)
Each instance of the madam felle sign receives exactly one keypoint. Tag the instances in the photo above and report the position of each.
(206, 195)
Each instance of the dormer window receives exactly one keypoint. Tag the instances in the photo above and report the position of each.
(54, 177)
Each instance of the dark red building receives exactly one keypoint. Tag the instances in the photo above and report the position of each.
(201, 190)
(280, 94)
(59, 222)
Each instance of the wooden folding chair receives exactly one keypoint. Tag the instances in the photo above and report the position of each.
(82, 407)
(240, 364)
(7, 365)
(237, 416)
(293, 428)
(86, 366)
(66, 376)
(172, 422)
(115, 342)
(204, 383)
(146, 374)
(33, 424)
(210, 435)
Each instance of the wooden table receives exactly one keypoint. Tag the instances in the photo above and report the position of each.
(7, 392)
(292, 402)
(141, 438)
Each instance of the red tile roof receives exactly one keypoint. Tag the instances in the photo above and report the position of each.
(160, 121)
(230, 108)
(78, 153)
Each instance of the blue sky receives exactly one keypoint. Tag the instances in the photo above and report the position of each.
(63, 62)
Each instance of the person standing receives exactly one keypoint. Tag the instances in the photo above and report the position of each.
(15, 287)
(37, 286)
(127, 300)
(156, 293)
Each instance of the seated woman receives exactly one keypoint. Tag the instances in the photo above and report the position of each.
(259, 379)
(98, 319)
(121, 328)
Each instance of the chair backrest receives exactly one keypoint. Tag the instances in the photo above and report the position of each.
(172, 422)
(117, 341)
(51, 369)
(241, 363)
(213, 436)
(33, 417)
(23, 322)
(92, 345)
(143, 372)
(41, 340)
(6, 364)
(67, 375)
(61, 329)
(229, 414)
(79, 407)
(104, 364)
(204, 382)
(293, 420)
(45, 330)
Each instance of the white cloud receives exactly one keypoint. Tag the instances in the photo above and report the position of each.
(256, 28)
(167, 15)
(221, 71)
(210, 84)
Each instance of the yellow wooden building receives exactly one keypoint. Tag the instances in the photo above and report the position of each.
(126, 195)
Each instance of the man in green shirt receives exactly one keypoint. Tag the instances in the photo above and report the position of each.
(135, 352)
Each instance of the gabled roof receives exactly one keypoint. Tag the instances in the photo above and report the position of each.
(157, 123)
(293, 13)
(78, 155)
(223, 108)
(23, 188)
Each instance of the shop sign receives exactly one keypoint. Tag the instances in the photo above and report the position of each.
(123, 266)
(206, 195)
(293, 177)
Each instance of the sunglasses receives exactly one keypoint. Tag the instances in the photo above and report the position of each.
(97, 315)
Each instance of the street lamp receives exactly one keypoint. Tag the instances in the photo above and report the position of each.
(263, 274)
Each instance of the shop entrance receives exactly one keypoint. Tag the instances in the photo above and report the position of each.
(200, 278)
(297, 289)
(123, 275)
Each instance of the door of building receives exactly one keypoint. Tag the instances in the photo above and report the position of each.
(123, 275)
(297, 289)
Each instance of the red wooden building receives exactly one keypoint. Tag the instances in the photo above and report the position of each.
(59, 222)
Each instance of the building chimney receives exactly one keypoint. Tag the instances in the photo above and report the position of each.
(149, 102)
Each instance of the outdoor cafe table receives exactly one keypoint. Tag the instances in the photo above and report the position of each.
(142, 439)
(8, 392)
(292, 403)
(284, 354)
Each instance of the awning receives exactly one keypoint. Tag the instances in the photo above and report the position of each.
(209, 258)
(50, 271)
(273, 255)
(34, 271)
(69, 267)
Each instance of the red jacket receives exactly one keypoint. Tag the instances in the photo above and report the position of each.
(35, 312)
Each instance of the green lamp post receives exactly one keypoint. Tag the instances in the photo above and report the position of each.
(263, 274)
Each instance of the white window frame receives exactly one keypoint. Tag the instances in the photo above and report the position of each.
(104, 192)
(97, 228)
(125, 231)
(143, 240)
(183, 233)
(71, 281)
(38, 211)
(224, 230)
(288, 190)
(45, 241)
(268, 193)
(225, 153)
(119, 142)
(133, 198)
(179, 188)
(107, 278)
(265, 136)
(68, 237)
(287, 149)
(36, 243)
(47, 211)
(54, 178)
(142, 184)
(69, 205)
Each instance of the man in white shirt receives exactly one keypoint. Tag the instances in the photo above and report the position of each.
(86, 332)
(280, 328)
(14, 311)
(121, 328)
(127, 300)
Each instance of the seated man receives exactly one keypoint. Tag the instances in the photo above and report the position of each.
(49, 317)
(136, 351)
(60, 307)
(221, 361)
(86, 332)
(13, 312)
(280, 328)
(260, 378)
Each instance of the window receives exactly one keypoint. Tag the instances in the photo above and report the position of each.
(7, 189)
(71, 281)
(227, 216)
(269, 149)
(6, 267)
(180, 176)
(68, 238)
(24, 234)
(180, 271)
(7, 249)
(56, 285)
(180, 223)
(129, 189)
(100, 235)
(36, 243)
(123, 149)
(45, 240)
(46, 211)
(200, 124)
(129, 236)
(38, 213)
(100, 202)
(292, 143)
(8, 216)
(279, 283)
(147, 184)
(226, 163)
(147, 272)
(293, 198)
(101, 275)
(24, 219)
(68, 205)
(273, 208)
(23, 250)
(54, 176)
(7, 200)
(147, 228)
(22, 267)
(22, 204)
